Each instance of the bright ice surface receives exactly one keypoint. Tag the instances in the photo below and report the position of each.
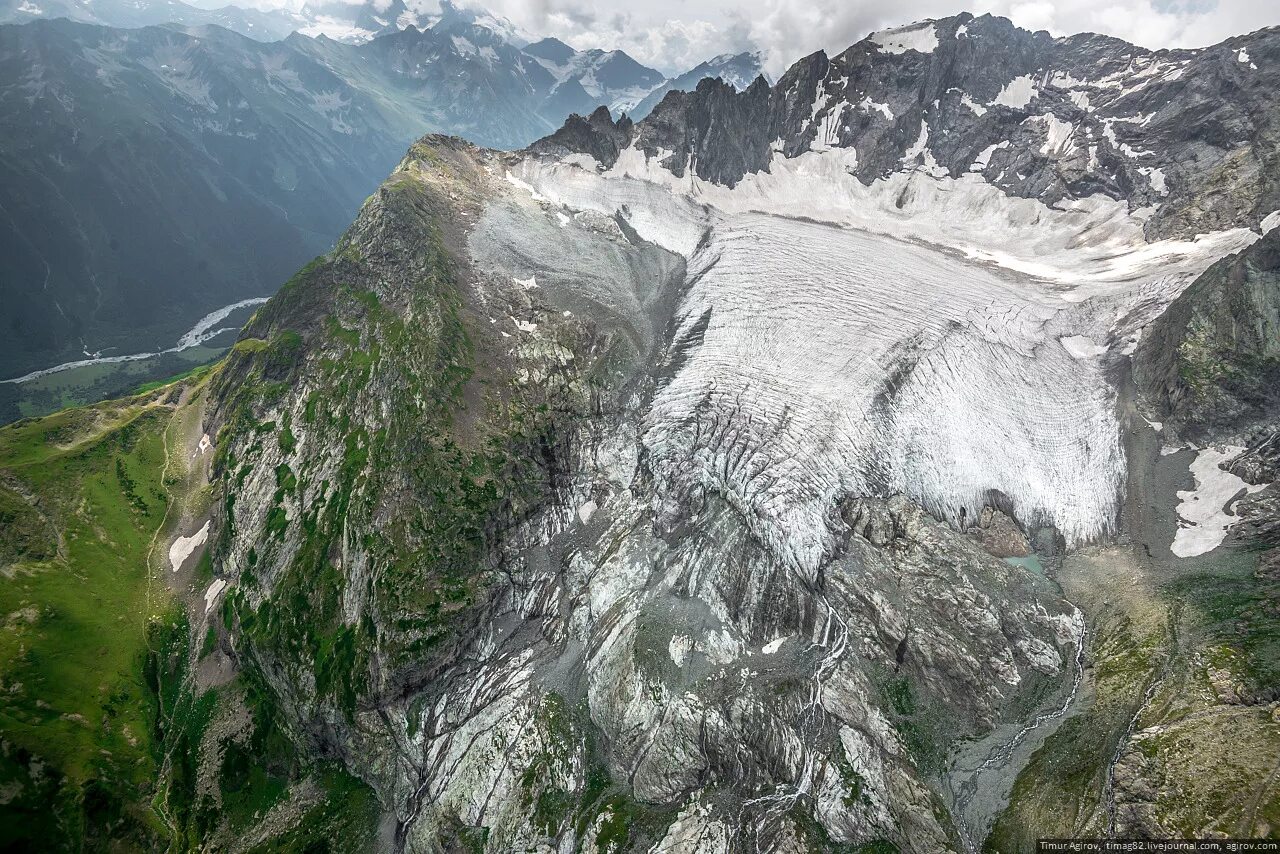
(921, 335)
(922, 37)
(1082, 347)
(1203, 510)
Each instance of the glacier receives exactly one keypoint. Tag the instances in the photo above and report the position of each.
(919, 336)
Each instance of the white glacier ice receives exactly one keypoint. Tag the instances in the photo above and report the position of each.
(1082, 347)
(921, 335)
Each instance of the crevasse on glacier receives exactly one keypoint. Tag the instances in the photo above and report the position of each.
(903, 337)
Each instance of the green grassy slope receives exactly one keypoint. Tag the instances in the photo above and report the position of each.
(87, 491)
(107, 741)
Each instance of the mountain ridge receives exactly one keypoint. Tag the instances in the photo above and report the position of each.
(293, 135)
(1093, 134)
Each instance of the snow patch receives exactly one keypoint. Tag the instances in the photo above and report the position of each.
(521, 185)
(679, 649)
(918, 147)
(921, 37)
(1064, 80)
(827, 133)
(773, 646)
(1017, 93)
(1156, 177)
(211, 595)
(1204, 510)
(586, 511)
(1057, 135)
(1124, 148)
(183, 547)
(883, 109)
(978, 109)
(984, 156)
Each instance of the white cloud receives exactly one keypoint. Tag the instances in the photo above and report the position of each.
(674, 35)
(789, 29)
(670, 36)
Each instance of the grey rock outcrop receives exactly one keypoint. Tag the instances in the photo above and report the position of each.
(1211, 362)
(1190, 132)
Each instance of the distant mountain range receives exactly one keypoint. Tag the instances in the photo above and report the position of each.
(149, 176)
(271, 25)
(736, 69)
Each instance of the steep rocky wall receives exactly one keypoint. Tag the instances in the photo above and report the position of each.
(1211, 362)
(1192, 135)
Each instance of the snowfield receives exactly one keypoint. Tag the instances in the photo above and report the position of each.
(922, 335)
(1205, 512)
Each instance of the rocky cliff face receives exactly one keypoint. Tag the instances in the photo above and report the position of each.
(1189, 133)
(739, 70)
(1212, 360)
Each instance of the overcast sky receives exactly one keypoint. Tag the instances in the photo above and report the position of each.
(674, 35)
(679, 33)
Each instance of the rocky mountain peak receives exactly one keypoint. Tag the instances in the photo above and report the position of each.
(1188, 134)
(598, 135)
(550, 48)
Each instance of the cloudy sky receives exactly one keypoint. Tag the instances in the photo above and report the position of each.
(674, 35)
(678, 33)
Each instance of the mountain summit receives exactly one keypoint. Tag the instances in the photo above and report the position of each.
(146, 152)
